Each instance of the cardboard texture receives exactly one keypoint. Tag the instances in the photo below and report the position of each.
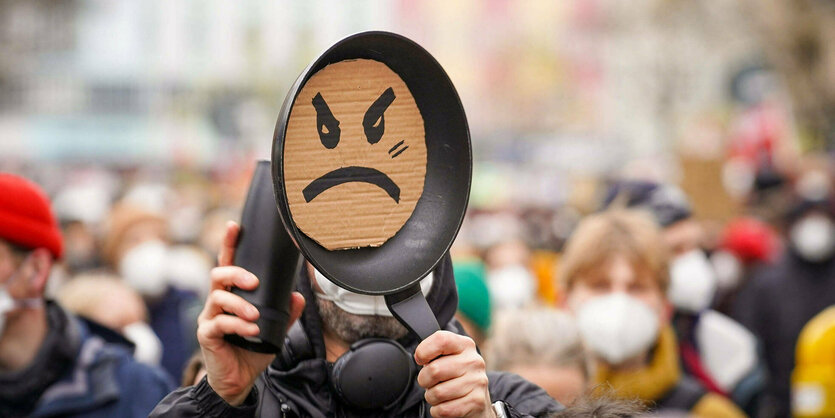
(354, 155)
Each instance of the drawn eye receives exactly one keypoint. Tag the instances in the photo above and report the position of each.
(374, 122)
(326, 123)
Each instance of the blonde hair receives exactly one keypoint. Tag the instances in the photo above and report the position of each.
(534, 337)
(629, 232)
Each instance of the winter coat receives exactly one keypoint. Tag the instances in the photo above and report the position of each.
(303, 390)
(77, 374)
(173, 318)
(775, 304)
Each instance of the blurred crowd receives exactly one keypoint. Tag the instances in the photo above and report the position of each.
(651, 228)
(639, 296)
(719, 319)
(138, 247)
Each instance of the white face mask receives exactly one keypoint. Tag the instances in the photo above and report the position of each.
(813, 237)
(356, 303)
(188, 268)
(511, 287)
(728, 270)
(692, 282)
(8, 304)
(144, 268)
(617, 327)
(148, 346)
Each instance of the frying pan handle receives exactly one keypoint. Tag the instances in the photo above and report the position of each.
(411, 309)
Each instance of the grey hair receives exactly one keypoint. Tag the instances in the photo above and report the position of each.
(534, 337)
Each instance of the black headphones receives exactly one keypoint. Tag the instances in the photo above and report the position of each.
(375, 373)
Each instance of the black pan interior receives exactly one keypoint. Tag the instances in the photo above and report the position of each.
(415, 250)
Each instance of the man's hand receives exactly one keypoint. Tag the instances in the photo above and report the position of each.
(454, 376)
(231, 371)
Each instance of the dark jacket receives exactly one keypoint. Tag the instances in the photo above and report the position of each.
(775, 304)
(304, 391)
(78, 374)
(173, 318)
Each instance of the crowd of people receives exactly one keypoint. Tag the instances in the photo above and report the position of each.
(662, 307)
(112, 291)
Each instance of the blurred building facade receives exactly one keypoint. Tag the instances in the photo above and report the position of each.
(556, 92)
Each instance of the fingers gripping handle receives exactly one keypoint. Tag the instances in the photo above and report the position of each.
(412, 310)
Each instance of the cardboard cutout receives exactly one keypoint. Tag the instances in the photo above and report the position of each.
(355, 148)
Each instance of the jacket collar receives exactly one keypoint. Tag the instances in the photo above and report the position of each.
(651, 382)
(92, 381)
(21, 390)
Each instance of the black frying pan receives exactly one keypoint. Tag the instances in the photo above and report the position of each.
(395, 268)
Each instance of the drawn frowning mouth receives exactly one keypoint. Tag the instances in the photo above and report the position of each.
(348, 175)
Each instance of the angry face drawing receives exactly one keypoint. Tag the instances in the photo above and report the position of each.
(354, 155)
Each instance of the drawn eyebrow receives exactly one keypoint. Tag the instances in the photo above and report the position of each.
(326, 124)
(374, 122)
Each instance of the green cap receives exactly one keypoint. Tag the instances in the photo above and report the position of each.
(473, 295)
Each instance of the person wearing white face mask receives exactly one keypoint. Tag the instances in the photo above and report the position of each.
(615, 276)
(136, 248)
(813, 237)
(511, 283)
(746, 244)
(51, 362)
(779, 300)
(713, 348)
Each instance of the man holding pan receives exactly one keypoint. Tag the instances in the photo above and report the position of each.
(371, 171)
(452, 382)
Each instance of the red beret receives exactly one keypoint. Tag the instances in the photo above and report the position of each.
(25, 217)
(750, 240)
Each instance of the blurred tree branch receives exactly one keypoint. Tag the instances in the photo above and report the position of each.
(799, 41)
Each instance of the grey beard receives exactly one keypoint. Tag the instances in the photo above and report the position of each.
(352, 327)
